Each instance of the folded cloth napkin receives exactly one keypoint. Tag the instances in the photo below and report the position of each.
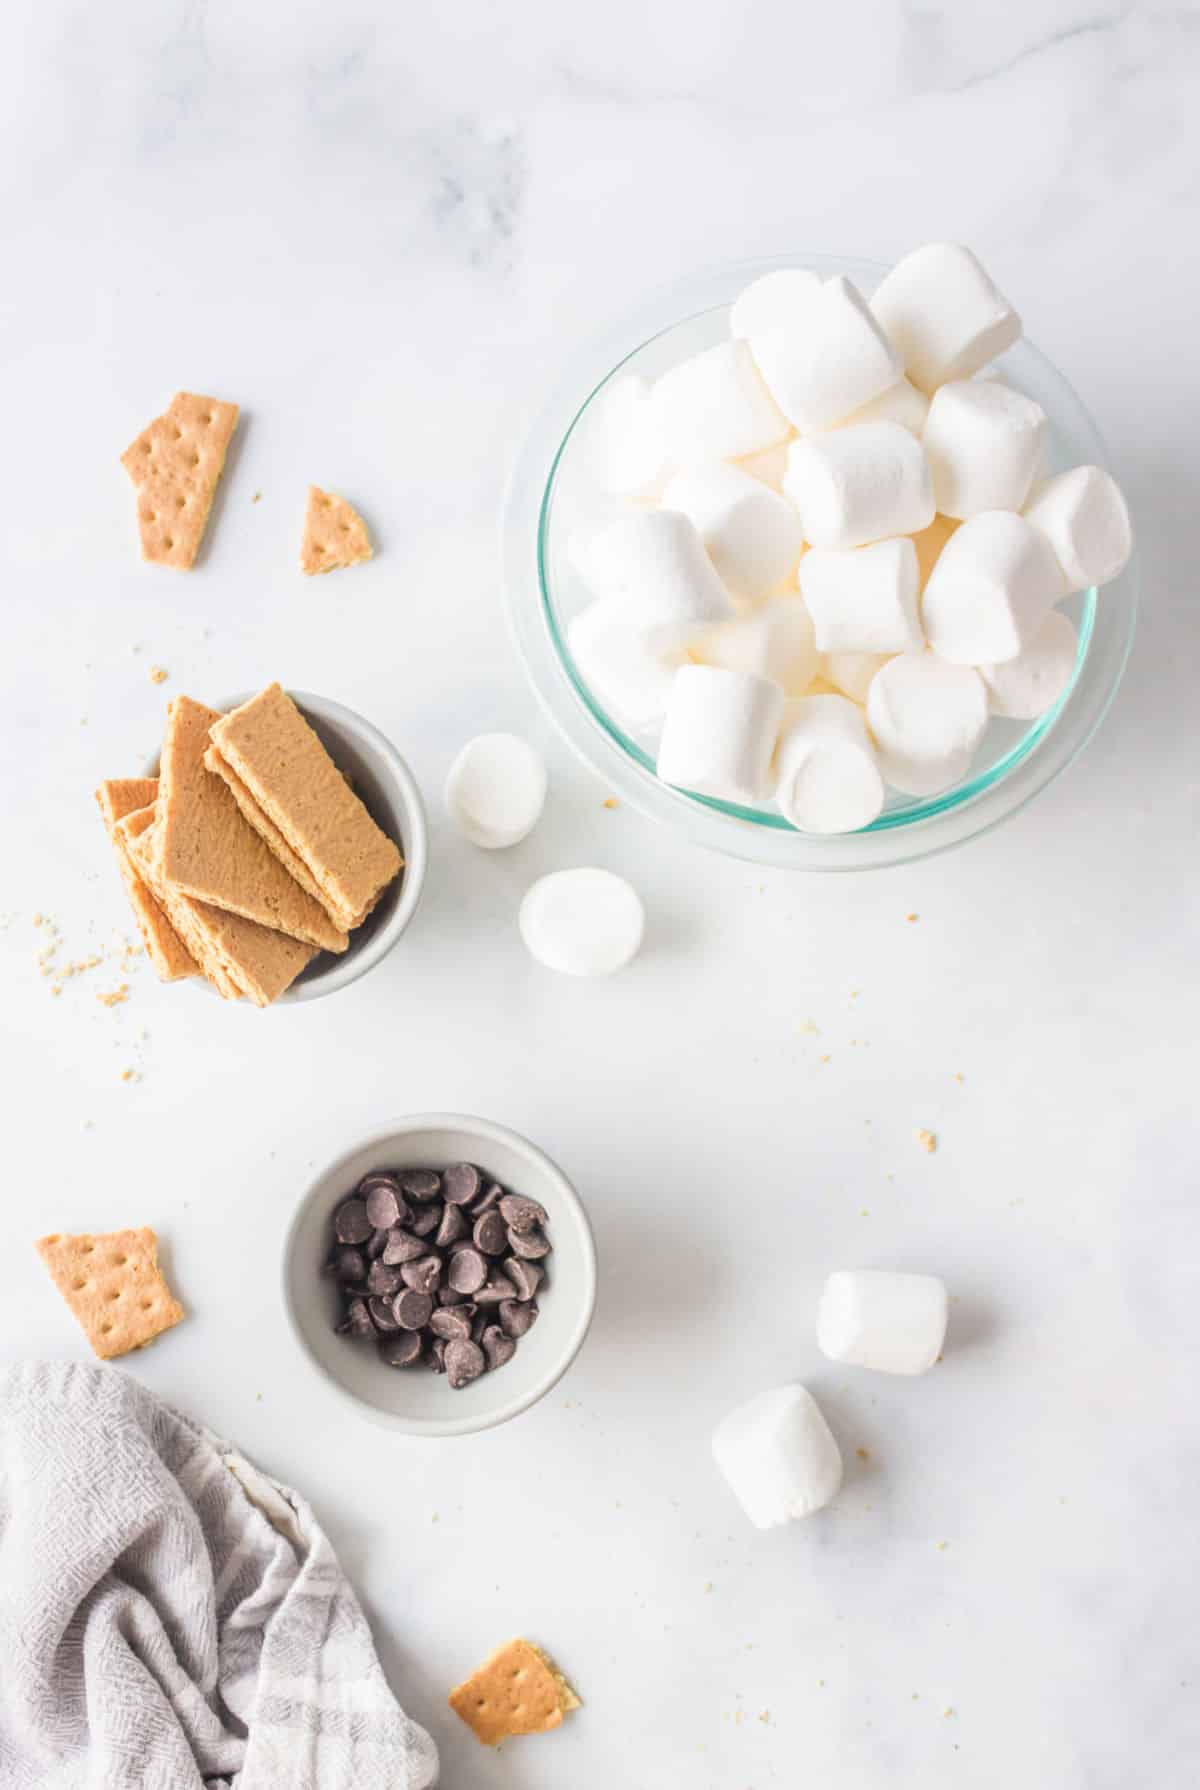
(169, 1617)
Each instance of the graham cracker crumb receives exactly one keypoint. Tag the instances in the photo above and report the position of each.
(764, 1715)
(257, 498)
(864, 1454)
(927, 1141)
(611, 802)
(116, 996)
(959, 1079)
(826, 1059)
(912, 918)
(158, 675)
(130, 1075)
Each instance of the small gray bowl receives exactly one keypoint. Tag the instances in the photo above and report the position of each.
(414, 1399)
(389, 792)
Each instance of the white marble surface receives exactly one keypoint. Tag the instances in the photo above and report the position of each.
(377, 227)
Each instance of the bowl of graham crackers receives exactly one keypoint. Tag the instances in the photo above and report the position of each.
(276, 849)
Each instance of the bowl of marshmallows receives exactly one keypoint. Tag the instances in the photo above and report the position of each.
(819, 562)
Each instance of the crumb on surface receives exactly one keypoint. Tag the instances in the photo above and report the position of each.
(864, 1454)
(825, 1059)
(257, 498)
(928, 1141)
(959, 1079)
(130, 1075)
(912, 918)
(115, 996)
(611, 802)
(158, 674)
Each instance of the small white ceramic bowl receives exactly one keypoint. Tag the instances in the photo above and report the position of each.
(389, 792)
(416, 1400)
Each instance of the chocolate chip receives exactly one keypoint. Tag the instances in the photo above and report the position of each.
(349, 1264)
(516, 1318)
(421, 1184)
(460, 1183)
(489, 1233)
(451, 1296)
(423, 1274)
(497, 1347)
(522, 1214)
(400, 1349)
(437, 1354)
(452, 1320)
(357, 1321)
(487, 1199)
(382, 1315)
(452, 1227)
(479, 1324)
(383, 1203)
(424, 1220)
(464, 1362)
(402, 1247)
(497, 1288)
(525, 1276)
(351, 1224)
(467, 1271)
(384, 1280)
(412, 1310)
(376, 1244)
(530, 1244)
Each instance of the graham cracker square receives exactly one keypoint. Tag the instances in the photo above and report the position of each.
(518, 1690)
(175, 465)
(168, 955)
(113, 1286)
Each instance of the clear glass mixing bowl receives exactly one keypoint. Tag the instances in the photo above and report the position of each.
(553, 491)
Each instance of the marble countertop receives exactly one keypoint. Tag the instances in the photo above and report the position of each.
(378, 229)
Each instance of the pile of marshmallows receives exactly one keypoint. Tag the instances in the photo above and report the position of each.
(777, 1452)
(841, 558)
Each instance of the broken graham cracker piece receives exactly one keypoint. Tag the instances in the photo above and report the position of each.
(169, 956)
(134, 833)
(237, 956)
(175, 465)
(208, 850)
(335, 535)
(113, 1286)
(519, 1690)
(291, 778)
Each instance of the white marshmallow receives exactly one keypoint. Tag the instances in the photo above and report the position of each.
(894, 1323)
(625, 438)
(752, 535)
(496, 790)
(774, 301)
(719, 733)
(582, 922)
(826, 775)
(715, 406)
(985, 442)
(653, 561)
(864, 601)
(943, 314)
(831, 360)
(1025, 687)
(779, 1456)
(857, 485)
(927, 719)
(851, 673)
(1084, 517)
(901, 403)
(775, 642)
(618, 660)
(769, 466)
(994, 580)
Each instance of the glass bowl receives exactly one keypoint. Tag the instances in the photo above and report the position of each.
(553, 491)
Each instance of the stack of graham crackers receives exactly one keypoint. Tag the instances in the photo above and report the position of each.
(249, 852)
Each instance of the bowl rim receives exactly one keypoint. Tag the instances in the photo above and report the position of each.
(355, 963)
(981, 803)
(491, 1131)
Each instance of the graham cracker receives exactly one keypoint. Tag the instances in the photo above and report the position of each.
(209, 851)
(238, 956)
(168, 955)
(518, 1690)
(294, 782)
(113, 1286)
(134, 831)
(263, 827)
(335, 535)
(175, 464)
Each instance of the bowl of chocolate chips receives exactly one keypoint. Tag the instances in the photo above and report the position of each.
(441, 1274)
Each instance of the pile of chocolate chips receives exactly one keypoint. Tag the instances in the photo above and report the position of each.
(438, 1268)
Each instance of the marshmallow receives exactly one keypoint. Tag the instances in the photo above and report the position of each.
(779, 1456)
(831, 360)
(943, 315)
(719, 733)
(929, 543)
(582, 922)
(984, 443)
(618, 660)
(858, 485)
(851, 673)
(775, 642)
(901, 403)
(864, 601)
(927, 718)
(894, 1323)
(716, 407)
(752, 535)
(654, 562)
(774, 301)
(769, 466)
(626, 438)
(496, 790)
(1083, 516)
(991, 586)
(827, 777)
(1025, 687)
